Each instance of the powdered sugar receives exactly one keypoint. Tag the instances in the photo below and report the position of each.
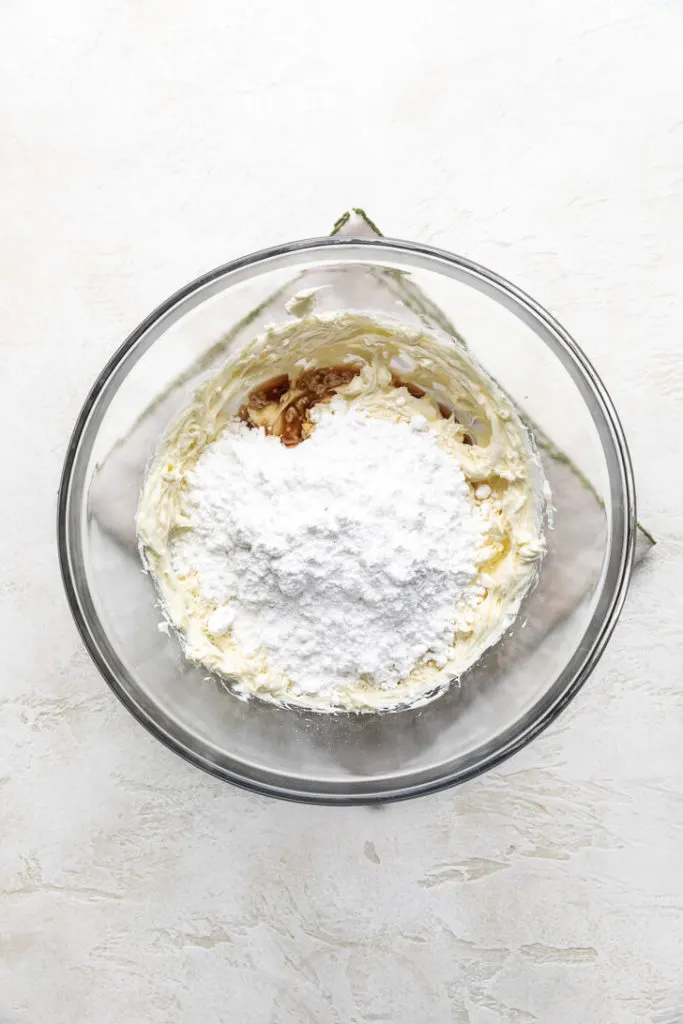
(345, 558)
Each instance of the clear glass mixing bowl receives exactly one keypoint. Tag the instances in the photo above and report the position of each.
(514, 691)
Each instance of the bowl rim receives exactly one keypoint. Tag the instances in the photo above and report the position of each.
(621, 549)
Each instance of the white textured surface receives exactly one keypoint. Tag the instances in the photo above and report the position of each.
(143, 143)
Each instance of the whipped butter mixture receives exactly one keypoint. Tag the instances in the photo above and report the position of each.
(345, 516)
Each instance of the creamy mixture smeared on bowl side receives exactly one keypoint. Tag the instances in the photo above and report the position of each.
(345, 516)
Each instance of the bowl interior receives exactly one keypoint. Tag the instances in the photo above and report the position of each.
(517, 686)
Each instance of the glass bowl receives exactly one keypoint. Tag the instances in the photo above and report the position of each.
(514, 691)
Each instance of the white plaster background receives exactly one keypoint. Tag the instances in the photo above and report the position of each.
(144, 142)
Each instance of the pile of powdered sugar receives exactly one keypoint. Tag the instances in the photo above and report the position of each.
(344, 558)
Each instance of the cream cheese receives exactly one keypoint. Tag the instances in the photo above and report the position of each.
(501, 468)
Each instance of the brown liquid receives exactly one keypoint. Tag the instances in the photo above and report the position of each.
(281, 405)
(271, 391)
